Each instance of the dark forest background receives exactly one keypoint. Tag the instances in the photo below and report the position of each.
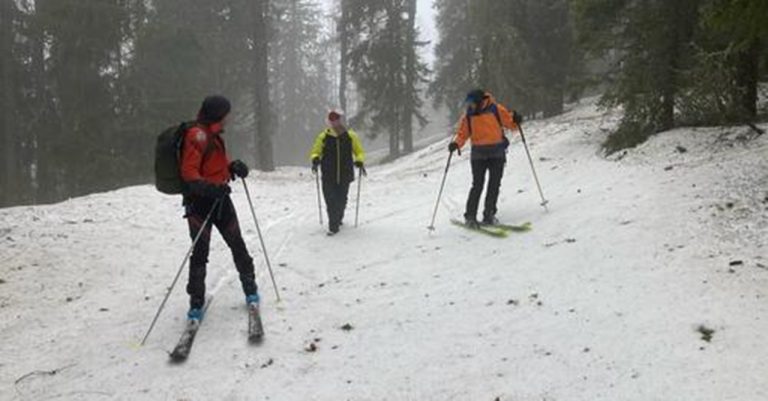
(86, 85)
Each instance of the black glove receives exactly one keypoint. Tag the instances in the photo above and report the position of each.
(208, 190)
(361, 166)
(315, 164)
(452, 147)
(517, 117)
(238, 169)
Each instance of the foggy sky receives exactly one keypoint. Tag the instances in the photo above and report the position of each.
(426, 22)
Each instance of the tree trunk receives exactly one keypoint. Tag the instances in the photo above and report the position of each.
(341, 29)
(395, 90)
(665, 115)
(484, 74)
(747, 70)
(682, 20)
(40, 134)
(410, 78)
(265, 158)
(8, 178)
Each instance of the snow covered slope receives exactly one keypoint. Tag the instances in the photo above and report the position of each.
(606, 299)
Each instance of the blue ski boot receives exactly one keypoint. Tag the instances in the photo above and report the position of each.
(252, 300)
(195, 314)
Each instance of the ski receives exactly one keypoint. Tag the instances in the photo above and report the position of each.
(487, 230)
(255, 328)
(181, 351)
(184, 346)
(519, 228)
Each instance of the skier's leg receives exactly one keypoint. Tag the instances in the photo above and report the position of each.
(196, 214)
(331, 204)
(478, 181)
(343, 193)
(495, 173)
(229, 227)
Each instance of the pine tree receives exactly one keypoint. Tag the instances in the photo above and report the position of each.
(80, 69)
(379, 53)
(11, 174)
(188, 49)
(301, 87)
(262, 112)
(170, 72)
(743, 25)
(343, 33)
(175, 60)
(544, 27)
(415, 78)
(456, 67)
(101, 79)
(652, 39)
(520, 50)
(37, 116)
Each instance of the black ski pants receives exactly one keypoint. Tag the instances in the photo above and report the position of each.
(335, 195)
(495, 169)
(224, 218)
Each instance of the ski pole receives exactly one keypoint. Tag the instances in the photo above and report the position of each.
(181, 268)
(530, 160)
(261, 239)
(319, 203)
(440, 193)
(359, 184)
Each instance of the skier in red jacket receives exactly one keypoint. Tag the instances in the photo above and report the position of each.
(206, 170)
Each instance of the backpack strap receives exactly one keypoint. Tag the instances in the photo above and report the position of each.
(495, 111)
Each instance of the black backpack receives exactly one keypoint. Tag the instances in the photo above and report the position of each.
(168, 158)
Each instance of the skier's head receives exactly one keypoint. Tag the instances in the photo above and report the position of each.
(475, 98)
(336, 119)
(214, 110)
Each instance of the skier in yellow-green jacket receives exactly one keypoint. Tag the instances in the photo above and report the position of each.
(336, 152)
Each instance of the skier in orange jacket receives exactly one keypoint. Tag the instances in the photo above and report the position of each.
(483, 125)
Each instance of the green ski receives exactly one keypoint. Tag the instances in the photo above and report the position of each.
(487, 230)
(521, 228)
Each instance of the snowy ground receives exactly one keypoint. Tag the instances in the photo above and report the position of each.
(603, 300)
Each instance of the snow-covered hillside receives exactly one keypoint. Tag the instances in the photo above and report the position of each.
(609, 296)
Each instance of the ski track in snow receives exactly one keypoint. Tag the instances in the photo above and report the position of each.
(600, 301)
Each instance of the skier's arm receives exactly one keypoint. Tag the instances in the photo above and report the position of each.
(506, 118)
(462, 134)
(195, 142)
(317, 148)
(358, 154)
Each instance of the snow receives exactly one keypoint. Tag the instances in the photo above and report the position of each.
(602, 300)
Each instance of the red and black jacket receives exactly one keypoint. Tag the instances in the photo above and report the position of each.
(204, 156)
